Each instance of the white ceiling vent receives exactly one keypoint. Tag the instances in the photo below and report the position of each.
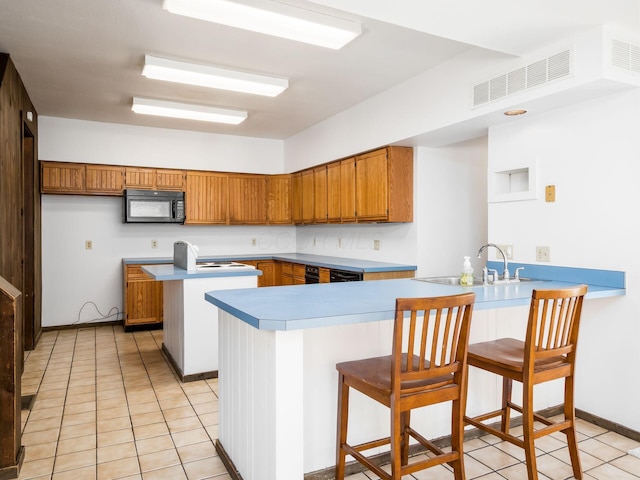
(624, 55)
(538, 73)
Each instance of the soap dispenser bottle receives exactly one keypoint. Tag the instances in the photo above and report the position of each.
(466, 279)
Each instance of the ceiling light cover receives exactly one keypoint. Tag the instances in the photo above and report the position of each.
(271, 18)
(515, 112)
(212, 77)
(187, 111)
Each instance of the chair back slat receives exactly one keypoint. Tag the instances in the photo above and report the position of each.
(554, 319)
(431, 335)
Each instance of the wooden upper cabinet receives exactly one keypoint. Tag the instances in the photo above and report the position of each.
(167, 179)
(375, 186)
(154, 178)
(320, 194)
(57, 177)
(384, 185)
(334, 193)
(279, 199)
(247, 199)
(372, 191)
(307, 184)
(104, 180)
(348, 190)
(206, 198)
(139, 178)
(296, 198)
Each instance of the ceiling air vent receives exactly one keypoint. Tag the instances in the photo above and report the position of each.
(624, 55)
(539, 73)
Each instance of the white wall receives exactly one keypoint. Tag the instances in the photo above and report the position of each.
(72, 275)
(68, 140)
(590, 152)
(450, 218)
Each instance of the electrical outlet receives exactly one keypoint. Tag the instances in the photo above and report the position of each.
(254, 242)
(154, 243)
(376, 244)
(508, 251)
(88, 244)
(339, 242)
(543, 254)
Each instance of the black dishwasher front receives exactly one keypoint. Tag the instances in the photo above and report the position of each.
(344, 276)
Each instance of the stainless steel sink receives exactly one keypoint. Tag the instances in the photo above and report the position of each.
(477, 282)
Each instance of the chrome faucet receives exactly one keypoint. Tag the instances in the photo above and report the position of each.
(505, 273)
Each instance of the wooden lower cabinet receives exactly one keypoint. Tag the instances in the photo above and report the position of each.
(299, 274)
(143, 299)
(325, 275)
(270, 271)
(286, 273)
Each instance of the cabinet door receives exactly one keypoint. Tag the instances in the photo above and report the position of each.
(206, 198)
(279, 210)
(299, 274)
(286, 273)
(268, 277)
(372, 197)
(348, 190)
(140, 178)
(325, 275)
(333, 192)
(104, 180)
(247, 199)
(307, 196)
(170, 179)
(320, 194)
(296, 198)
(58, 177)
(143, 297)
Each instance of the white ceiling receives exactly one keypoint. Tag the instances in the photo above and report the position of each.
(82, 59)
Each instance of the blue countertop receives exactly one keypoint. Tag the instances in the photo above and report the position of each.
(348, 264)
(171, 272)
(321, 305)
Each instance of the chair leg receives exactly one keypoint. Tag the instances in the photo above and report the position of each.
(343, 417)
(457, 437)
(570, 414)
(396, 441)
(527, 424)
(507, 387)
(405, 422)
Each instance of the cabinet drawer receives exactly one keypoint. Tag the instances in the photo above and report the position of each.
(134, 272)
(287, 268)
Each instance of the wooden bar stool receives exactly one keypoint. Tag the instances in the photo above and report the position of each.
(435, 336)
(548, 353)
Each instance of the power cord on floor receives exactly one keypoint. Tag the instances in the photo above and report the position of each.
(102, 316)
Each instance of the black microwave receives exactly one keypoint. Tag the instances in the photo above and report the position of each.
(153, 206)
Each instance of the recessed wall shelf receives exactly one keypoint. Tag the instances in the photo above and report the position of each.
(513, 184)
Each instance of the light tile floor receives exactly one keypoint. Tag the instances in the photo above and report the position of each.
(108, 406)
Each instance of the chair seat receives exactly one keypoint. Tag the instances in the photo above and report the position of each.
(376, 372)
(507, 354)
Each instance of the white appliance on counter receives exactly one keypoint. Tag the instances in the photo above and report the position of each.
(185, 255)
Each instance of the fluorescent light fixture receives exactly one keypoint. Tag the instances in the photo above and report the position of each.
(271, 18)
(212, 77)
(187, 111)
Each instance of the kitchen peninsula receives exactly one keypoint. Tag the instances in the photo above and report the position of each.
(279, 346)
